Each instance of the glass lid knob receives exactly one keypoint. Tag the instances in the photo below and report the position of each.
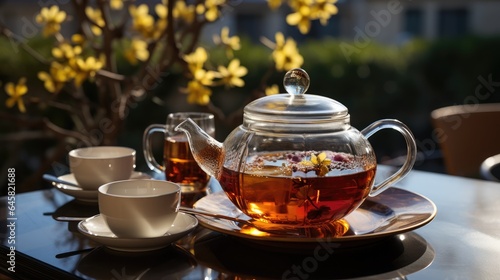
(296, 81)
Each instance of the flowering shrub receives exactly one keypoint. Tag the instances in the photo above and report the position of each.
(166, 39)
(83, 78)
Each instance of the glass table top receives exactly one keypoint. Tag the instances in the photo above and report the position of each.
(462, 242)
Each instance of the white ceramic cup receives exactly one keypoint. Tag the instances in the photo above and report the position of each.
(139, 208)
(96, 166)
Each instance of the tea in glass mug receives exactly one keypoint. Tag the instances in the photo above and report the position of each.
(179, 164)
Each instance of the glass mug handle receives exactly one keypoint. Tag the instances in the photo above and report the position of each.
(411, 148)
(147, 149)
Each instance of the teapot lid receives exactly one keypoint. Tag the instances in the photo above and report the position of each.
(296, 107)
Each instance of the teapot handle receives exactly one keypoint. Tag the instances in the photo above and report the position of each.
(411, 147)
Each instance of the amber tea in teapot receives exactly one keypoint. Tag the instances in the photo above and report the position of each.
(297, 188)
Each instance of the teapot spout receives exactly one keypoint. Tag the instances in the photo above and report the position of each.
(207, 151)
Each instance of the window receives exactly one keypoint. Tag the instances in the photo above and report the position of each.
(250, 25)
(413, 22)
(331, 29)
(317, 30)
(452, 22)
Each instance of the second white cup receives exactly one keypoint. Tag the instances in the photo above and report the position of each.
(139, 208)
(96, 166)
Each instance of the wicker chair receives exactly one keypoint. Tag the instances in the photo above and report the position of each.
(467, 135)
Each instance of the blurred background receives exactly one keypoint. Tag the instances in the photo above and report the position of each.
(381, 59)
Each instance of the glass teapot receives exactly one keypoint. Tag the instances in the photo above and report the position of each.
(296, 161)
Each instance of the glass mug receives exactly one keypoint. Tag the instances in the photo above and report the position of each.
(179, 164)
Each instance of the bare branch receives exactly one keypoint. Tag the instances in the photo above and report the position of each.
(111, 75)
(64, 133)
(18, 41)
(61, 106)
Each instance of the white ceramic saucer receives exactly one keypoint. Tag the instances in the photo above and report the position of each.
(86, 195)
(96, 229)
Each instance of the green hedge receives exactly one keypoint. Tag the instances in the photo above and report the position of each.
(412, 78)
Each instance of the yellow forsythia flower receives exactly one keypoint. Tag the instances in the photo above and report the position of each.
(229, 43)
(301, 18)
(274, 4)
(96, 16)
(143, 22)
(320, 163)
(66, 51)
(86, 68)
(324, 9)
(210, 9)
(15, 92)
(274, 89)
(286, 54)
(51, 19)
(138, 50)
(116, 4)
(78, 39)
(231, 76)
(183, 11)
(198, 93)
(196, 59)
(58, 75)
